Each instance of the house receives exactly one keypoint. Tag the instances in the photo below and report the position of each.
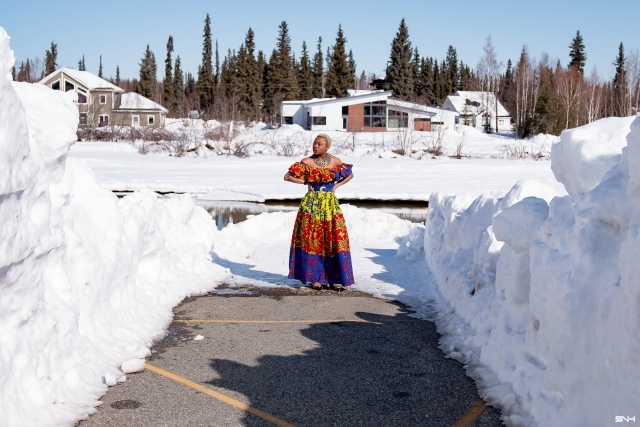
(101, 103)
(364, 110)
(478, 109)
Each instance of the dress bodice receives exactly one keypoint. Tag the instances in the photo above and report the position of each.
(320, 178)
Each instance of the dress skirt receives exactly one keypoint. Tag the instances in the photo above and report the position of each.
(320, 249)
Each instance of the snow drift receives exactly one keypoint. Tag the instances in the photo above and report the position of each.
(76, 264)
(545, 289)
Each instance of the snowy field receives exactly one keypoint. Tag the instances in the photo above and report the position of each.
(526, 266)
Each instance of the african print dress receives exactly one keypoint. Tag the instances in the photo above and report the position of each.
(320, 244)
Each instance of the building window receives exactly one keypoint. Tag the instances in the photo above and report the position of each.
(102, 98)
(375, 114)
(320, 121)
(288, 120)
(55, 85)
(68, 86)
(135, 121)
(83, 118)
(151, 120)
(104, 120)
(82, 96)
(345, 110)
(398, 119)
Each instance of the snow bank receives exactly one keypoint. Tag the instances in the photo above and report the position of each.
(544, 289)
(87, 281)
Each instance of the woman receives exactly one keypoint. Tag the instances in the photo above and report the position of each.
(320, 253)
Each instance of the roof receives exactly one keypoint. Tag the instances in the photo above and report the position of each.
(356, 98)
(90, 80)
(135, 101)
(459, 102)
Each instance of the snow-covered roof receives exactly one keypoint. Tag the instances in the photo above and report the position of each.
(485, 100)
(418, 107)
(135, 101)
(90, 80)
(356, 98)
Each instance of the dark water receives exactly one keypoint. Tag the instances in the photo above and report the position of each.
(234, 212)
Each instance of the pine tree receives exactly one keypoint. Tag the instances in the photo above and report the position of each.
(178, 89)
(399, 74)
(51, 59)
(424, 86)
(148, 70)
(305, 74)
(619, 86)
(318, 72)
(205, 72)
(248, 80)
(281, 76)
(339, 75)
(168, 90)
(451, 72)
(100, 68)
(577, 53)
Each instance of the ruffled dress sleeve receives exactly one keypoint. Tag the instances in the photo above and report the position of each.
(311, 175)
(342, 171)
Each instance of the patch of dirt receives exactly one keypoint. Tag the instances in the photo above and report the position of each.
(278, 292)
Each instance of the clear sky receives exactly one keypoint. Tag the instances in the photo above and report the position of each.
(120, 30)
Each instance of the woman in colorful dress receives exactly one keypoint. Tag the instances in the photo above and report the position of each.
(320, 254)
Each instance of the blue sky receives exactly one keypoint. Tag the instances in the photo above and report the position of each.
(120, 31)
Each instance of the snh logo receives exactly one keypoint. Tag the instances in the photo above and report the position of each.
(621, 419)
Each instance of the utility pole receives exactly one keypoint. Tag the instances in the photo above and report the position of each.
(496, 95)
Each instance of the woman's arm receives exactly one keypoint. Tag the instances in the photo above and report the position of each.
(343, 182)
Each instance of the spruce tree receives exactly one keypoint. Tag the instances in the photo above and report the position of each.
(51, 59)
(168, 90)
(282, 75)
(148, 70)
(247, 80)
(619, 85)
(339, 75)
(399, 74)
(178, 89)
(425, 82)
(81, 66)
(205, 83)
(305, 74)
(451, 72)
(318, 72)
(117, 75)
(100, 68)
(577, 53)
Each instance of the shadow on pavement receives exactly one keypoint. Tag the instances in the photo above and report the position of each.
(387, 371)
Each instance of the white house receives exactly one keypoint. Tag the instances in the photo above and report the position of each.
(367, 111)
(478, 109)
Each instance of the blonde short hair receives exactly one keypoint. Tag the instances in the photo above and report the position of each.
(326, 137)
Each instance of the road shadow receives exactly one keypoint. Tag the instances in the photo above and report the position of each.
(387, 371)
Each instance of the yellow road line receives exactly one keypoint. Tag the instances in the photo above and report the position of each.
(471, 415)
(220, 396)
(293, 321)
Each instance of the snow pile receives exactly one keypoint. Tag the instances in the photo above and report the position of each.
(87, 281)
(544, 288)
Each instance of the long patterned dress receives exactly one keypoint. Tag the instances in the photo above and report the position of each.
(320, 249)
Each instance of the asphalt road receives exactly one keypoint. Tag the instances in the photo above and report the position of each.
(296, 357)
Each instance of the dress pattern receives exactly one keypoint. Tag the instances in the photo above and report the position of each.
(320, 250)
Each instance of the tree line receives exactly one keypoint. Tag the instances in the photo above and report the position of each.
(248, 85)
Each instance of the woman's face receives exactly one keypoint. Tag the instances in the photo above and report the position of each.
(320, 146)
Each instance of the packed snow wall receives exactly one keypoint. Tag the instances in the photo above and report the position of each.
(545, 288)
(87, 280)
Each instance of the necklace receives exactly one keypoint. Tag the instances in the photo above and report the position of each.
(322, 163)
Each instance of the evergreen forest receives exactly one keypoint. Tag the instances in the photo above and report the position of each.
(248, 85)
